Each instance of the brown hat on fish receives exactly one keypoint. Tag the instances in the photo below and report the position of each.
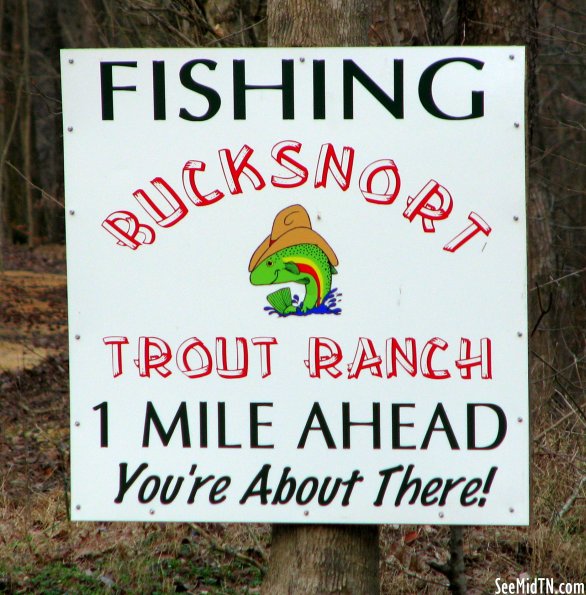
(291, 226)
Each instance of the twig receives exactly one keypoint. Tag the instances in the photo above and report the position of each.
(554, 425)
(164, 23)
(261, 550)
(573, 100)
(424, 22)
(215, 544)
(454, 569)
(571, 458)
(415, 575)
(542, 311)
(558, 373)
(9, 136)
(508, 560)
(572, 404)
(572, 274)
(239, 32)
(31, 183)
(570, 501)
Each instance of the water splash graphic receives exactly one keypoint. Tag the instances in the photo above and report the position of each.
(329, 305)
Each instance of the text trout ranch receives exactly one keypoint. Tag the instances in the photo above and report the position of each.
(193, 358)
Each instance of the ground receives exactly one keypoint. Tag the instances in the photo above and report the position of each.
(41, 551)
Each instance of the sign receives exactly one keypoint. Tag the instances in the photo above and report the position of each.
(297, 284)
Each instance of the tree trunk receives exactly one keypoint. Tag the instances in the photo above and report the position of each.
(44, 70)
(298, 23)
(322, 559)
(511, 22)
(27, 145)
(3, 139)
(514, 22)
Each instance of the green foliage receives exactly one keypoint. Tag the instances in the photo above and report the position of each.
(144, 574)
(59, 579)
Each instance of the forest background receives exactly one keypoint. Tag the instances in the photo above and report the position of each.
(40, 550)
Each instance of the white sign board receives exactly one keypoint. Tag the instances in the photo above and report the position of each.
(297, 284)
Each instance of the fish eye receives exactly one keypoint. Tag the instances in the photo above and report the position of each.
(269, 263)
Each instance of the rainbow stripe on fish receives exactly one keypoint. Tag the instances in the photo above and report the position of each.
(309, 267)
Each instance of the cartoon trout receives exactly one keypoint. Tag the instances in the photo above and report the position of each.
(294, 253)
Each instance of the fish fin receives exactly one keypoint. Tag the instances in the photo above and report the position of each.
(292, 268)
(333, 269)
(281, 299)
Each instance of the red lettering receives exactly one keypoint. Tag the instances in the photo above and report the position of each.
(392, 185)
(342, 172)
(234, 168)
(426, 363)
(433, 203)
(167, 209)
(153, 354)
(241, 368)
(116, 343)
(467, 361)
(300, 173)
(193, 344)
(365, 358)
(128, 230)
(478, 224)
(396, 355)
(328, 361)
(265, 353)
(191, 189)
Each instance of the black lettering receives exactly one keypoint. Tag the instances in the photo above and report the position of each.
(319, 89)
(213, 97)
(440, 413)
(159, 102)
(317, 413)
(450, 485)
(219, 487)
(406, 485)
(469, 490)
(262, 478)
(426, 92)
(180, 416)
(198, 482)
(286, 87)
(124, 483)
(350, 483)
(386, 475)
(165, 499)
(471, 419)
(254, 423)
(108, 88)
(322, 498)
(347, 424)
(299, 498)
(203, 424)
(431, 488)
(222, 428)
(394, 105)
(142, 493)
(396, 425)
(287, 483)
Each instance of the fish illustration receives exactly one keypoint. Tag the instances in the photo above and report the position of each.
(294, 253)
(302, 263)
